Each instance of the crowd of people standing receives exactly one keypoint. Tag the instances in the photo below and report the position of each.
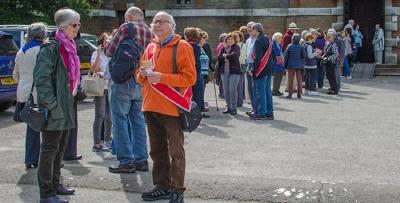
(152, 93)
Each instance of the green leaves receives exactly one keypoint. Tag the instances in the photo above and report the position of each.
(29, 11)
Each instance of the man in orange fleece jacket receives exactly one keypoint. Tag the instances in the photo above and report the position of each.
(161, 112)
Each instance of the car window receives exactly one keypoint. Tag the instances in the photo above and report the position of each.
(8, 46)
(16, 37)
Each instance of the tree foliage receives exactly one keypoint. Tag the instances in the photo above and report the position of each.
(29, 11)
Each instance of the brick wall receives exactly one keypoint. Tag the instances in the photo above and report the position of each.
(396, 3)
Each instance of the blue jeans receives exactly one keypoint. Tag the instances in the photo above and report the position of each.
(129, 132)
(264, 92)
(230, 83)
(240, 89)
(346, 66)
(198, 92)
(310, 78)
(32, 146)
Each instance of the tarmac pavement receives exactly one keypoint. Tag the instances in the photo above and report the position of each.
(341, 148)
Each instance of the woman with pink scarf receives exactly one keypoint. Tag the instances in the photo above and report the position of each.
(56, 78)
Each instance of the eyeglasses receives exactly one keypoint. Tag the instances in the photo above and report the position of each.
(75, 25)
(161, 22)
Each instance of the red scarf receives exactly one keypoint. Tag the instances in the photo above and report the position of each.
(181, 100)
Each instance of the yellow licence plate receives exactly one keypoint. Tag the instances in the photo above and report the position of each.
(85, 65)
(8, 81)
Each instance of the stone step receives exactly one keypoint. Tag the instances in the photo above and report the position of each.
(392, 66)
(387, 71)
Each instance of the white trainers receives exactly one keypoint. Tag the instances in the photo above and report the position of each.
(349, 77)
(313, 93)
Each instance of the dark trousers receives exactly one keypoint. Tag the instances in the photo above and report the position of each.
(166, 150)
(198, 93)
(71, 149)
(32, 146)
(277, 81)
(320, 73)
(310, 78)
(299, 77)
(331, 75)
(51, 154)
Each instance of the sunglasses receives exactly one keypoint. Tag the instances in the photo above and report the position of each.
(161, 22)
(75, 25)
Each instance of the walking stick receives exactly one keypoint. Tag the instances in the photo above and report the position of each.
(215, 93)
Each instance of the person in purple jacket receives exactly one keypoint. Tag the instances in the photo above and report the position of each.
(320, 44)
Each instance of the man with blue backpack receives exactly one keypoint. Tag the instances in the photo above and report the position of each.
(129, 132)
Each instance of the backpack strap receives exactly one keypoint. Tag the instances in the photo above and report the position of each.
(130, 30)
(174, 69)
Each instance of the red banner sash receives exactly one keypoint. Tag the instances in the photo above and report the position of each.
(171, 94)
(264, 60)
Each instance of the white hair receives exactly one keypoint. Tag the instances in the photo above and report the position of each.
(36, 31)
(276, 36)
(170, 19)
(332, 33)
(134, 11)
(65, 16)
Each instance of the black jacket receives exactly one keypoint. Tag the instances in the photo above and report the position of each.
(233, 57)
(260, 48)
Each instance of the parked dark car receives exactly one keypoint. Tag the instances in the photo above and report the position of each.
(8, 87)
(84, 47)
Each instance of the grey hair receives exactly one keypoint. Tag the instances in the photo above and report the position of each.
(351, 21)
(276, 36)
(250, 24)
(332, 33)
(303, 34)
(296, 39)
(171, 19)
(36, 31)
(65, 16)
(134, 11)
(257, 27)
(222, 37)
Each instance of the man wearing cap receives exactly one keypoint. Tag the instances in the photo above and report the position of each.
(287, 38)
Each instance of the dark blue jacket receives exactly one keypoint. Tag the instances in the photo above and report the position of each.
(277, 52)
(260, 48)
(294, 57)
(197, 53)
(233, 57)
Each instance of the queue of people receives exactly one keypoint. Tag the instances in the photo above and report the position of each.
(168, 71)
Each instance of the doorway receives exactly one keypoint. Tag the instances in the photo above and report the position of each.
(366, 14)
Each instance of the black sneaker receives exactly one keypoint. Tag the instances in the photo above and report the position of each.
(270, 117)
(227, 111)
(125, 168)
(177, 197)
(204, 115)
(156, 194)
(233, 112)
(142, 165)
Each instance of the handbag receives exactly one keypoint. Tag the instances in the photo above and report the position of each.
(279, 60)
(17, 112)
(188, 121)
(93, 84)
(34, 116)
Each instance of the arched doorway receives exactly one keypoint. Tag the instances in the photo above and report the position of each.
(366, 14)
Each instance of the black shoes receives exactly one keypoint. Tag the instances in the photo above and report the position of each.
(261, 117)
(73, 158)
(53, 199)
(61, 190)
(233, 112)
(125, 168)
(31, 165)
(227, 111)
(204, 115)
(277, 93)
(156, 194)
(299, 96)
(142, 166)
(331, 92)
(177, 197)
(289, 96)
(100, 148)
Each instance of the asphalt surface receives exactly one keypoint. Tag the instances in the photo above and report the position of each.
(341, 148)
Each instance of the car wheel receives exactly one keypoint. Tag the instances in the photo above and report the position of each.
(5, 105)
